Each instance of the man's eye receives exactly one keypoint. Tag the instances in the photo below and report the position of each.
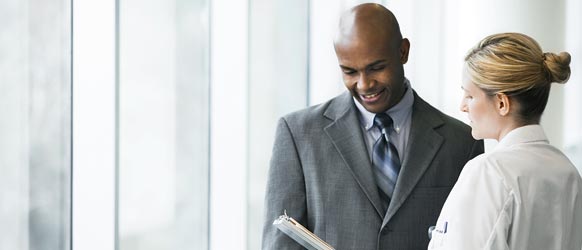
(349, 72)
(376, 68)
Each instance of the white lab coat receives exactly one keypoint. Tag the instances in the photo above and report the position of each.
(524, 194)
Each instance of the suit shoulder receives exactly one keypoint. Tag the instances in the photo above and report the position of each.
(449, 122)
(310, 115)
(457, 130)
(457, 134)
(455, 123)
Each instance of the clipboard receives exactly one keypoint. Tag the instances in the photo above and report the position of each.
(299, 233)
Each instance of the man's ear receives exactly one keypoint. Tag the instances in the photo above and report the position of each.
(503, 104)
(404, 49)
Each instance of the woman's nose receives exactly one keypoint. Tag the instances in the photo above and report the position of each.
(463, 106)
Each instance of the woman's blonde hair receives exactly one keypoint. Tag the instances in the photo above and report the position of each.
(514, 64)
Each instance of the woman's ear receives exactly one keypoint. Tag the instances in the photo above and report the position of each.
(503, 104)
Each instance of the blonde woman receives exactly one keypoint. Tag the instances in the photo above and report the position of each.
(525, 193)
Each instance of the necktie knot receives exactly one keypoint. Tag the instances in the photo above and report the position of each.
(383, 122)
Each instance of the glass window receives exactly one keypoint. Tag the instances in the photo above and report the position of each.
(572, 123)
(163, 125)
(35, 103)
(278, 82)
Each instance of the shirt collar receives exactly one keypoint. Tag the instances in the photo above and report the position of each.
(398, 112)
(528, 133)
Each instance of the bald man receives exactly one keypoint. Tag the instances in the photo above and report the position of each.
(352, 176)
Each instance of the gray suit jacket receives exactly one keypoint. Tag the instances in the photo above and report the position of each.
(321, 174)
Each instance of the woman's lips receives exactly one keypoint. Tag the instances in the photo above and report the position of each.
(372, 97)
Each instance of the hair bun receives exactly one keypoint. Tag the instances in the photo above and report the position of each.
(558, 66)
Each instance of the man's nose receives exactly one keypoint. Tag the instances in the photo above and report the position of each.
(364, 81)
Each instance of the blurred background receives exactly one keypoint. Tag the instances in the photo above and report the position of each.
(149, 124)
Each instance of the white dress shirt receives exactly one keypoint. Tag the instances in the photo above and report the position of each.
(524, 194)
(401, 115)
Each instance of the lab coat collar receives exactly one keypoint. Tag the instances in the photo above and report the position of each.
(525, 134)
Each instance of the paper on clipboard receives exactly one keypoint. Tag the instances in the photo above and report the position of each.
(300, 234)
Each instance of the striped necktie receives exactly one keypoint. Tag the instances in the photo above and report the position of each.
(385, 158)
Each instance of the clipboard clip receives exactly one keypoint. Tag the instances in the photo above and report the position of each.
(299, 233)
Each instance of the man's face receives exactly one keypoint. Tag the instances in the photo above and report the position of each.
(372, 70)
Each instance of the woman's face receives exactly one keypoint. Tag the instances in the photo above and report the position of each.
(484, 120)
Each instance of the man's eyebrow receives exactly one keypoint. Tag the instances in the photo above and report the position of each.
(367, 66)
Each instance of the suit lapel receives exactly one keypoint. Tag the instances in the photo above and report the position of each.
(423, 144)
(346, 136)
